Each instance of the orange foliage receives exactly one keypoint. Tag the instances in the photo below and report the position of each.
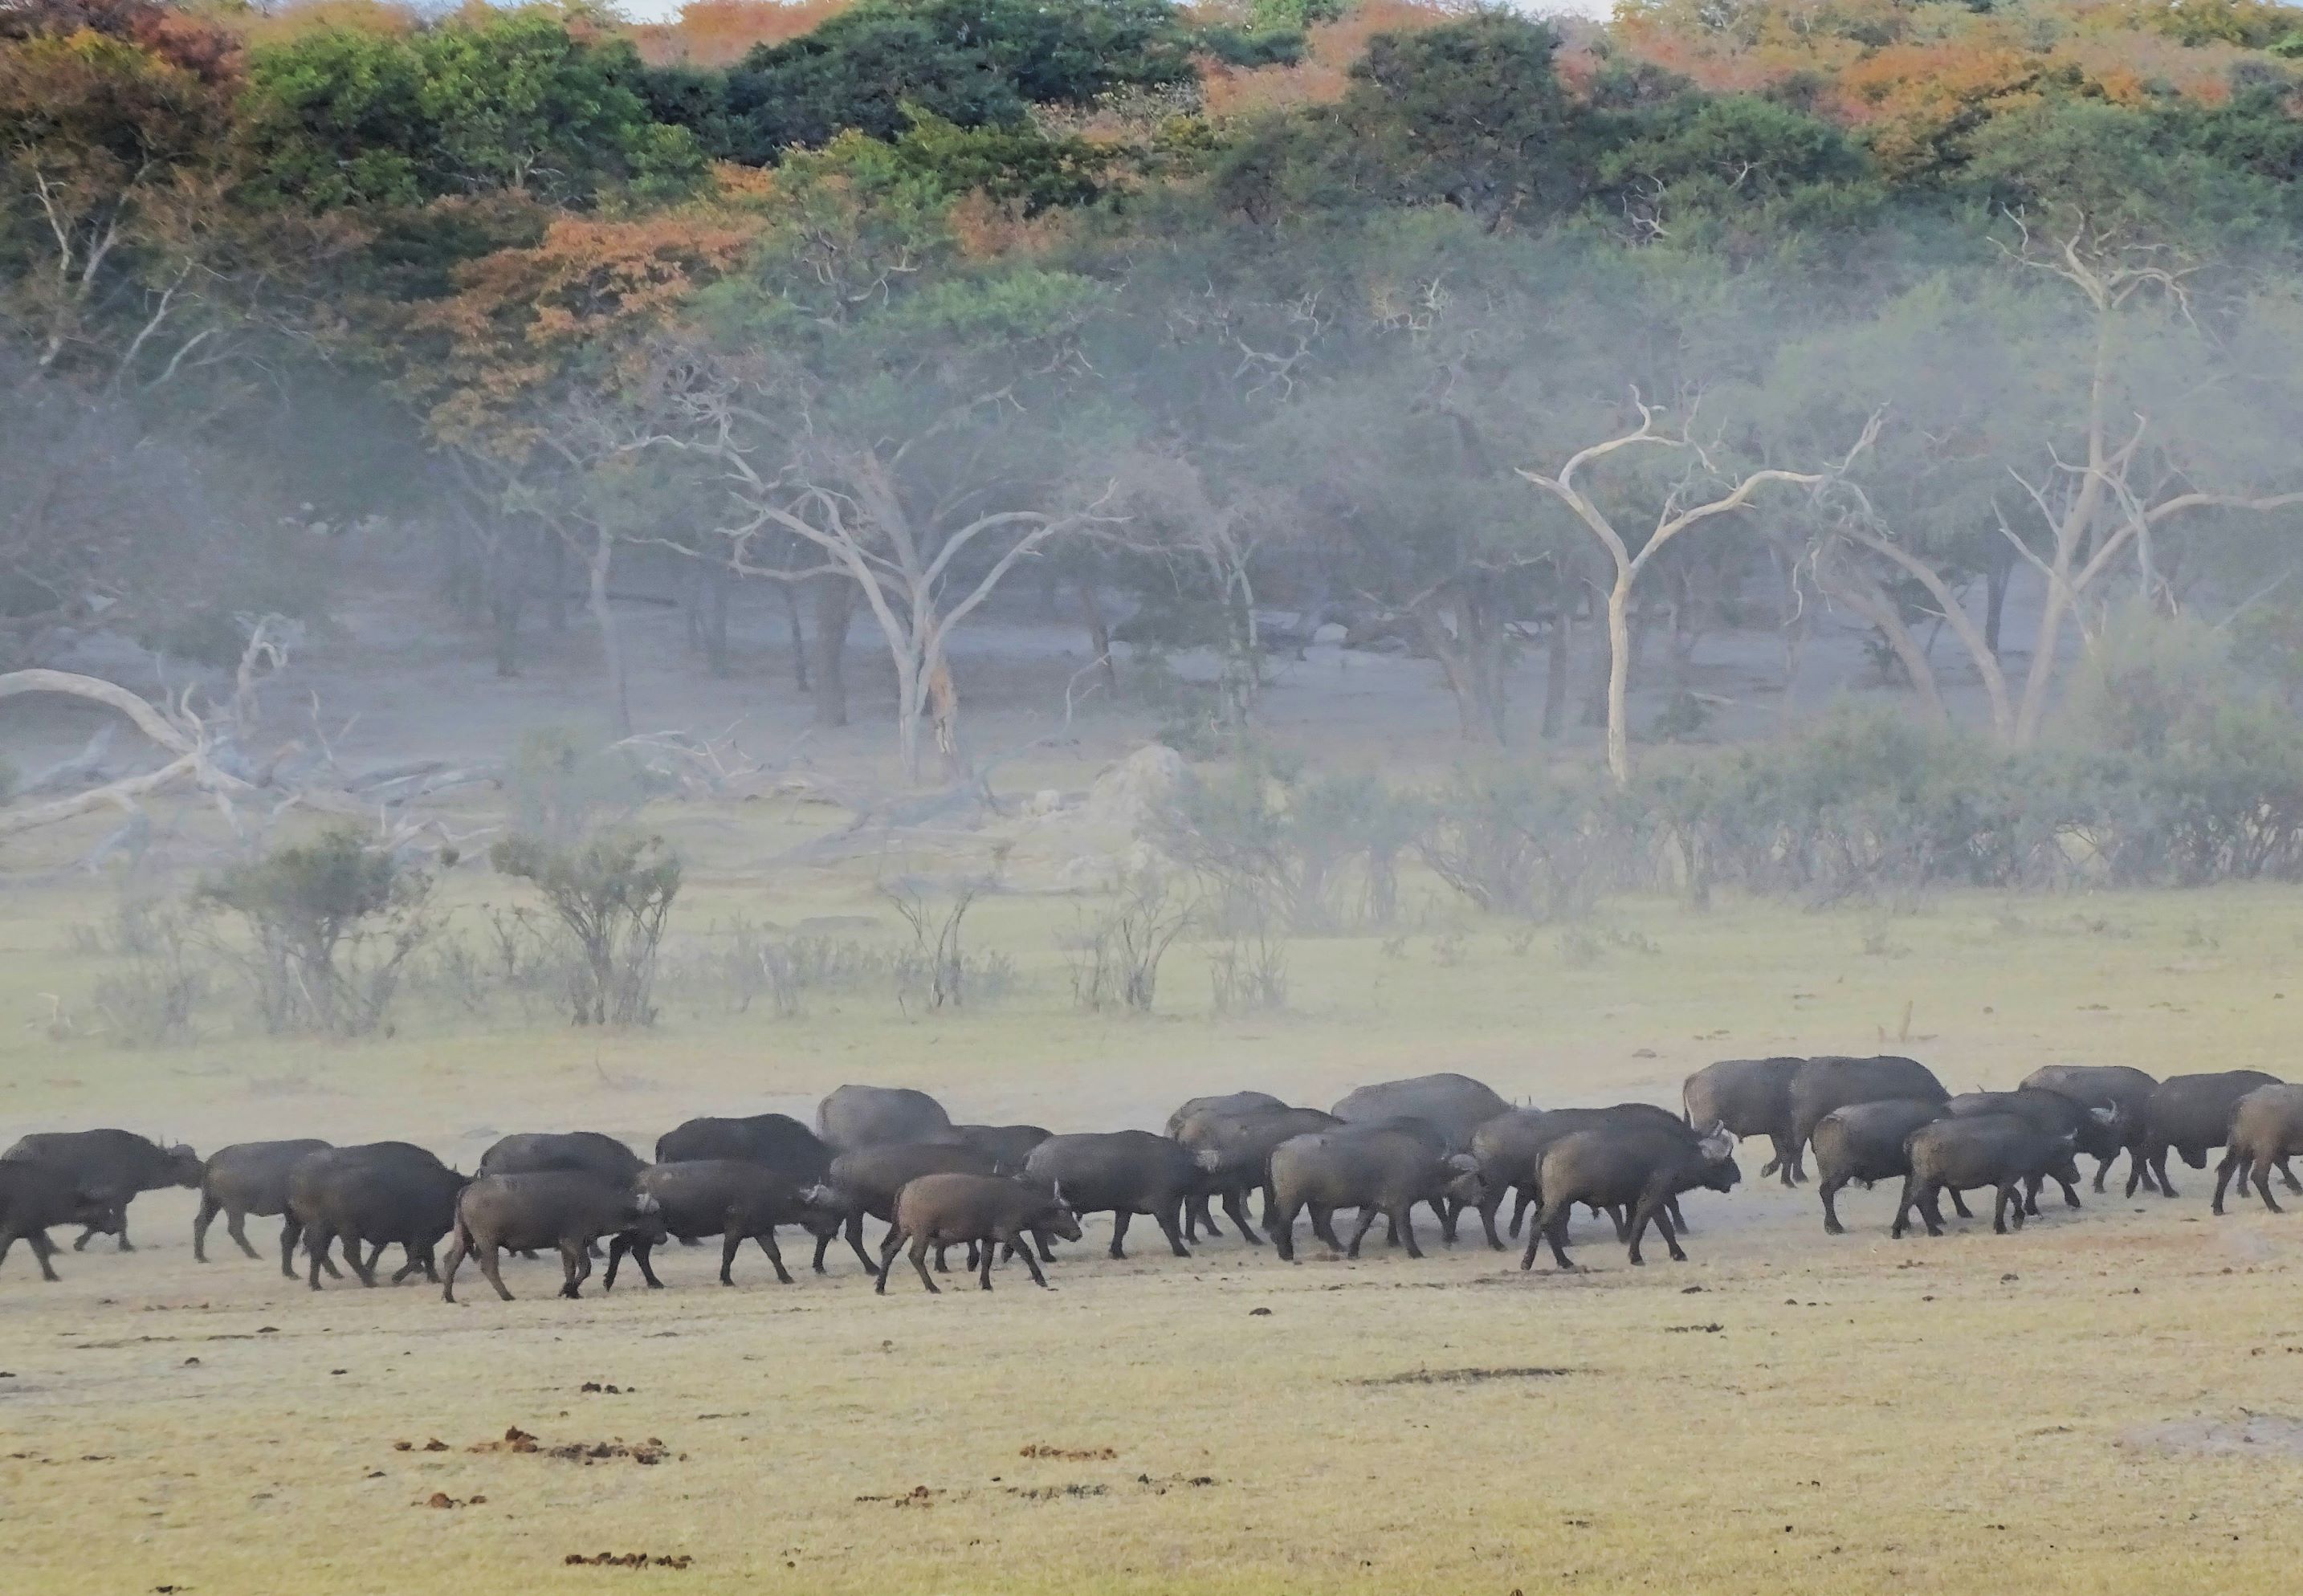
(983, 229)
(720, 32)
(319, 16)
(521, 317)
(1330, 49)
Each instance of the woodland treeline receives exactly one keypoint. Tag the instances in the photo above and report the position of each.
(1492, 333)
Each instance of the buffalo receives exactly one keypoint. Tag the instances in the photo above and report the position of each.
(35, 1194)
(567, 1209)
(113, 1166)
(1867, 1142)
(1823, 1084)
(2191, 1113)
(2129, 1088)
(2002, 1151)
(1196, 1216)
(775, 1139)
(1234, 1153)
(1634, 1167)
(854, 1117)
(1510, 1148)
(985, 1212)
(381, 1193)
(1008, 1145)
(2095, 1128)
(732, 1198)
(1750, 1097)
(578, 1152)
(248, 1177)
(1377, 1170)
(866, 1182)
(2266, 1129)
(1457, 1104)
(1122, 1173)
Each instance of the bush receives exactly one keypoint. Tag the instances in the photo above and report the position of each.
(1516, 840)
(1272, 846)
(329, 925)
(1115, 960)
(610, 896)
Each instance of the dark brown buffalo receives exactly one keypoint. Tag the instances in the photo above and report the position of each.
(987, 1213)
(1865, 1143)
(854, 1117)
(1750, 1097)
(249, 1177)
(35, 1194)
(2191, 1113)
(1510, 1149)
(1641, 1168)
(1455, 1103)
(1821, 1085)
(775, 1139)
(732, 1198)
(576, 1152)
(2002, 1151)
(2095, 1128)
(567, 1209)
(2266, 1129)
(1225, 1102)
(865, 1183)
(1234, 1153)
(2130, 1088)
(1196, 1214)
(1122, 1173)
(113, 1166)
(1381, 1171)
(380, 1193)
(1008, 1145)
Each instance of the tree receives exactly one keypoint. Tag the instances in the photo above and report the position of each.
(1684, 507)
(511, 102)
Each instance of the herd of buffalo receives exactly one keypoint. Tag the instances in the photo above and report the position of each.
(1445, 1141)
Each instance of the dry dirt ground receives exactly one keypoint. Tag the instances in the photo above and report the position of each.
(2106, 1400)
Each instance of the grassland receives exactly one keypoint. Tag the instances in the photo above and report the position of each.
(2038, 1412)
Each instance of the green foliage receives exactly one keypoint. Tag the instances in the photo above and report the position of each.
(508, 102)
(970, 62)
(328, 925)
(2147, 682)
(610, 896)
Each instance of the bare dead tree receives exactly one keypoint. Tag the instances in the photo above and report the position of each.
(1683, 510)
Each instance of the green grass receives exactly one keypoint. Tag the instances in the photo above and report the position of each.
(1918, 1416)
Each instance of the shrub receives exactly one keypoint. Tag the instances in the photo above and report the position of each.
(1515, 840)
(610, 896)
(561, 784)
(1116, 960)
(329, 925)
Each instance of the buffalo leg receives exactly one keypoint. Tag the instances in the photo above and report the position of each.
(1670, 1233)
(1828, 1190)
(209, 1209)
(492, 1265)
(1166, 1220)
(44, 1251)
(823, 1244)
(1406, 1216)
(366, 1272)
(1360, 1231)
(920, 1263)
(1280, 1224)
(1493, 1200)
(1030, 1262)
(235, 1225)
(1903, 1207)
(1235, 1205)
(855, 1241)
(1786, 1161)
(2262, 1174)
(2287, 1174)
(1549, 1225)
(2231, 1163)
(317, 1240)
(1323, 1226)
(730, 1241)
(2009, 1196)
(1958, 1204)
(1678, 1220)
(767, 1241)
(617, 1248)
(1447, 1208)
(457, 1251)
(1119, 1219)
(1521, 1204)
(2159, 1168)
(574, 1264)
(984, 1270)
(2030, 1203)
(291, 1232)
(2070, 1193)
(889, 1245)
